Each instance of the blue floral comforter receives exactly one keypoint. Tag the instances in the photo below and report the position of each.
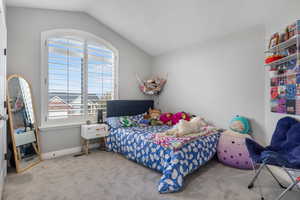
(174, 165)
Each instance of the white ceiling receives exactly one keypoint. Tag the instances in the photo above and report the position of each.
(160, 26)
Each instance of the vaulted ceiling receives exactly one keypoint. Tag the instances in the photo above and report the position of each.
(160, 26)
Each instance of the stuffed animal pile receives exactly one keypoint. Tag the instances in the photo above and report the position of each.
(152, 86)
(172, 119)
(155, 118)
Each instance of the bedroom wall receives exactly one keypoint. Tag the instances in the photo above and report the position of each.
(273, 27)
(223, 60)
(24, 34)
(271, 118)
(218, 80)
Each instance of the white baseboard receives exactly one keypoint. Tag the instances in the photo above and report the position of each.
(64, 152)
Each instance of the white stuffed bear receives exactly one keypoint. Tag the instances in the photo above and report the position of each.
(186, 127)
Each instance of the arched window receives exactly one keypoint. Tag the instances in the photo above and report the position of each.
(79, 74)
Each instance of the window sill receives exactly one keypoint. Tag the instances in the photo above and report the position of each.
(60, 126)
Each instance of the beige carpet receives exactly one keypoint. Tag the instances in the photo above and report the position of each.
(109, 176)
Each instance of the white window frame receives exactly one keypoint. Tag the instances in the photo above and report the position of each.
(88, 38)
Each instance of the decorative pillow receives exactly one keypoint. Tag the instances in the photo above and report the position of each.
(137, 118)
(114, 122)
(126, 121)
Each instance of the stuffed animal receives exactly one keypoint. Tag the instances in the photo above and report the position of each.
(240, 124)
(153, 116)
(180, 115)
(166, 118)
(126, 121)
(185, 127)
(231, 148)
(197, 125)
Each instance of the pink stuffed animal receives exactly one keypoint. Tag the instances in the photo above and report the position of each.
(166, 118)
(180, 115)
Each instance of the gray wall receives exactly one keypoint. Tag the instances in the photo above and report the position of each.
(24, 57)
(218, 80)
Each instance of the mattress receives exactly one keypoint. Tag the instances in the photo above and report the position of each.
(134, 144)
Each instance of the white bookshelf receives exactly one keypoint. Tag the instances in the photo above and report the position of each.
(283, 60)
(290, 42)
(282, 47)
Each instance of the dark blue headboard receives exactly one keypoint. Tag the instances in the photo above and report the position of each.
(116, 108)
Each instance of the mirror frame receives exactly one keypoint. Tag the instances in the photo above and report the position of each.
(37, 132)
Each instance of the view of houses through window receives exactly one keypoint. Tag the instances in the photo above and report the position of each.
(80, 78)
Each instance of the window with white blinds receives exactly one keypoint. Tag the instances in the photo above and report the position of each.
(80, 78)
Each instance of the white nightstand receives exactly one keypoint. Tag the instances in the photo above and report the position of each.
(93, 131)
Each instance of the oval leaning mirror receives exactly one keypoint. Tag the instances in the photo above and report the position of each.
(22, 124)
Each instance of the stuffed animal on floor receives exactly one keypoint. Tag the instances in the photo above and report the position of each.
(180, 115)
(240, 124)
(153, 116)
(231, 148)
(166, 118)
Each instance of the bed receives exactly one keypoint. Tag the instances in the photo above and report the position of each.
(134, 144)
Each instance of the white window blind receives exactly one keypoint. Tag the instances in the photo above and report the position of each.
(65, 74)
(100, 77)
(80, 78)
